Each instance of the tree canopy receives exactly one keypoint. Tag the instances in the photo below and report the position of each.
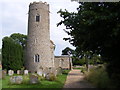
(12, 51)
(67, 50)
(95, 27)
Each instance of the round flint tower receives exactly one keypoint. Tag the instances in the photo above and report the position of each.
(38, 54)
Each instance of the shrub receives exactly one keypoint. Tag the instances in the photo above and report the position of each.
(51, 77)
(26, 79)
(83, 70)
(65, 71)
(99, 77)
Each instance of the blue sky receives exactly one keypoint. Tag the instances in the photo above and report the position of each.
(14, 19)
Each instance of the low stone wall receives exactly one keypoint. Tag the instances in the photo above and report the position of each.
(63, 62)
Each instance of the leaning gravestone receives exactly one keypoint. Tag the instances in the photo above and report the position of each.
(25, 72)
(18, 72)
(16, 79)
(10, 72)
(34, 79)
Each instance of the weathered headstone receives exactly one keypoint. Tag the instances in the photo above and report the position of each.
(21, 72)
(18, 72)
(47, 76)
(4, 72)
(53, 70)
(44, 74)
(59, 71)
(34, 79)
(40, 72)
(16, 79)
(46, 70)
(10, 72)
(0, 74)
(25, 72)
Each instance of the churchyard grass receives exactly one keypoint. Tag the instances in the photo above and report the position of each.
(58, 83)
(0, 84)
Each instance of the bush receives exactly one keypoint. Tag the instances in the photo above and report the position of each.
(83, 70)
(99, 77)
(51, 77)
(65, 71)
(26, 79)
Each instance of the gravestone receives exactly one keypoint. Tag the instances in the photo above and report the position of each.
(44, 74)
(21, 72)
(47, 76)
(25, 72)
(59, 71)
(46, 70)
(34, 79)
(40, 72)
(4, 72)
(53, 70)
(10, 72)
(18, 72)
(16, 79)
(0, 74)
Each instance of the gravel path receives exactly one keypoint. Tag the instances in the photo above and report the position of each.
(75, 80)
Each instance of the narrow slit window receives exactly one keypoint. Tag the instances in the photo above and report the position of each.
(37, 18)
(36, 58)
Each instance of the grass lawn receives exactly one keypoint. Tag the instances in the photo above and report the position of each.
(58, 83)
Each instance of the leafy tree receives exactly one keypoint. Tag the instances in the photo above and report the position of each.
(13, 51)
(11, 54)
(20, 39)
(95, 27)
(66, 50)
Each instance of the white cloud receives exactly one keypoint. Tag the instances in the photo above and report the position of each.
(14, 19)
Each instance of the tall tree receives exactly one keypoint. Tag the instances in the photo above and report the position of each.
(67, 50)
(95, 27)
(19, 38)
(13, 51)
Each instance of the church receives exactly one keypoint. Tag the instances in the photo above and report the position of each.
(40, 49)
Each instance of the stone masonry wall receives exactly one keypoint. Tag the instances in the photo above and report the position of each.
(38, 41)
(63, 62)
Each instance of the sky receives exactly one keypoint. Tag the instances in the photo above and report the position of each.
(14, 19)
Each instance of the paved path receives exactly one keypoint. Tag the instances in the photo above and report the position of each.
(75, 80)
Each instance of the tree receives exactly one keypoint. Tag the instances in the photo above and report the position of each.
(19, 38)
(13, 51)
(66, 50)
(95, 27)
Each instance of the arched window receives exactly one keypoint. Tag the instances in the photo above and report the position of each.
(36, 58)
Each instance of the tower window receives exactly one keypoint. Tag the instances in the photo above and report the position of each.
(36, 58)
(37, 18)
